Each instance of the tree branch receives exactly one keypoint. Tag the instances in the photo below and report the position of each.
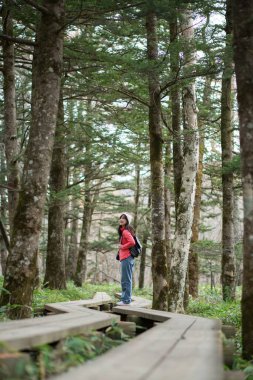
(211, 71)
(131, 95)
(17, 40)
(37, 6)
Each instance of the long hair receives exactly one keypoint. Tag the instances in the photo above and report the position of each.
(127, 227)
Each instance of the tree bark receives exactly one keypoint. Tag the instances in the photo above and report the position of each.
(47, 64)
(55, 277)
(167, 200)
(73, 245)
(175, 117)
(3, 209)
(145, 237)
(81, 268)
(159, 260)
(243, 56)
(136, 196)
(228, 255)
(10, 126)
(181, 244)
(193, 255)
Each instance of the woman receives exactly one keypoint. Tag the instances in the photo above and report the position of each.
(126, 233)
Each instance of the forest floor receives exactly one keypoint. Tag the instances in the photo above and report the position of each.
(76, 350)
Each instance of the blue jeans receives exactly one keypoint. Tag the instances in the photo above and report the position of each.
(127, 266)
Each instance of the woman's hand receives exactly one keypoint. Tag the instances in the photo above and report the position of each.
(120, 246)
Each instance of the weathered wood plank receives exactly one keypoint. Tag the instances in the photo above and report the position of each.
(141, 357)
(154, 315)
(197, 356)
(52, 328)
(137, 301)
(29, 322)
(99, 298)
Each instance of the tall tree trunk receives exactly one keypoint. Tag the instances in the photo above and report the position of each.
(81, 267)
(21, 263)
(181, 244)
(136, 196)
(145, 237)
(10, 127)
(73, 245)
(55, 261)
(167, 200)
(228, 255)
(159, 260)
(3, 209)
(193, 255)
(243, 56)
(175, 117)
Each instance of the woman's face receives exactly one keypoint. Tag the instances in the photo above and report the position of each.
(123, 221)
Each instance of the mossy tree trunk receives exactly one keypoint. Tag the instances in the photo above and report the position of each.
(55, 277)
(243, 56)
(3, 211)
(159, 260)
(47, 65)
(181, 243)
(193, 255)
(10, 126)
(167, 201)
(175, 116)
(228, 254)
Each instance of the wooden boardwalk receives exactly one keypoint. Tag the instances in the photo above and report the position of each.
(99, 299)
(179, 347)
(28, 333)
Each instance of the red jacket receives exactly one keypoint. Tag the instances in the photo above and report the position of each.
(127, 241)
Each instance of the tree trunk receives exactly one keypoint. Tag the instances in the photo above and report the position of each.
(243, 55)
(167, 200)
(3, 209)
(228, 255)
(136, 197)
(55, 261)
(175, 118)
(193, 255)
(143, 259)
(145, 237)
(81, 267)
(21, 263)
(73, 245)
(181, 244)
(159, 261)
(10, 127)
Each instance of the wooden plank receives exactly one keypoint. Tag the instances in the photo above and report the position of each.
(99, 298)
(134, 359)
(154, 315)
(141, 302)
(53, 328)
(197, 356)
(138, 301)
(30, 322)
(147, 356)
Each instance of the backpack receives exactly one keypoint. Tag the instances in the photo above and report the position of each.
(136, 249)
